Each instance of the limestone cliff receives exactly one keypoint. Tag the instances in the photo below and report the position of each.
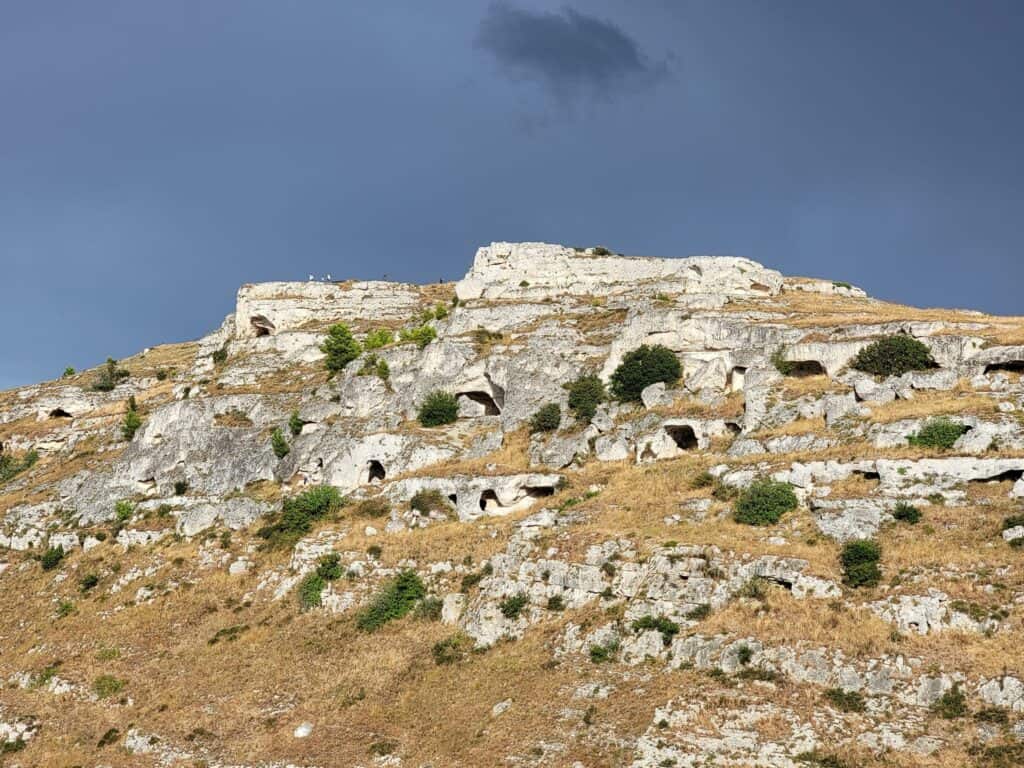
(586, 593)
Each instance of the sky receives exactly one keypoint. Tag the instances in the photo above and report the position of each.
(155, 156)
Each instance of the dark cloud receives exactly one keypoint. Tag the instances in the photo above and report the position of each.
(571, 53)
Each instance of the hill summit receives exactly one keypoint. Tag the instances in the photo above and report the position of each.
(575, 509)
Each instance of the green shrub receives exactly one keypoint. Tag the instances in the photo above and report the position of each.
(51, 558)
(1012, 521)
(309, 591)
(110, 736)
(585, 394)
(123, 510)
(940, 433)
(642, 367)
(378, 338)
(452, 649)
(952, 704)
(744, 654)
(295, 424)
(513, 605)
(340, 347)
(89, 581)
(298, 514)
(438, 408)
(556, 603)
(220, 356)
(132, 421)
(328, 567)
(65, 608)
(180, 487)
(702, 611)
(860, 563)
(429, 608)
(546, 419)
(907, 513)
(279, 444)
(10, 466)
(703, 480)
(764, 502)
(782, 365)
(845, 701)
(894, 356)
(666, 627)
(420, 336)
(375, 366)
(429, 500)
(106, 686)
(605, 652)
(68, 372)
(394, 601)
(600, 250)
(109, 376)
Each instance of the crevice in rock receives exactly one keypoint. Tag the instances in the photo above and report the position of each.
(262, 325)
(1010, 366)
(802, 369)
(59, 413)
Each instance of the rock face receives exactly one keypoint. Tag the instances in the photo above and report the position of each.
(283, 546)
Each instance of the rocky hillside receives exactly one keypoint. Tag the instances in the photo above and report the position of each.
(575, 509)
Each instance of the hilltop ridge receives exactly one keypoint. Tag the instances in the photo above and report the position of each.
(574, 509)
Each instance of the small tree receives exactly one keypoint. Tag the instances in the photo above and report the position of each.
(860, 563)
(377, 338)
(642, 367)
(295, 424)
(906, 513)
(764, 502)
(940, 433)
(438, 408)
(894, 356)
(109, 376)
(340, 347)
(51, 558)
(546, 419)
(132, 421)
(278, 443)
(585, 394)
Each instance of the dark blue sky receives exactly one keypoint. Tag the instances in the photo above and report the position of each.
(154, 155)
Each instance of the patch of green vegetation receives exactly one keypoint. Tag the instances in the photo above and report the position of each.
(340, 346)
(939, 433)
(546, 419)
(668, 629)
(10, 466)
(52, 557)
(298, 514)
(106, 686)
(132, 420)
(429, 500)
(604, 652)
(860, 563)
(513, 605)
(845, 701)
(420, 335)
(906, 513)
(585, 394)
(952, 704)
(295, 424)
(378, 338)
(279, 443)
(438, 408)
(894, 356)
(452, 649)
(109, 376)
(394, 601)
(642, 367)
(764, 502)
(228, 634)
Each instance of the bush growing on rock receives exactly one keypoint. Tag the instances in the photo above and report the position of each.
(298, 515)
(642, 367)
(952, 704)
(420, 336)
(106, 686)
(585, 394)
(860, 563)
(906, 513)
(666, 627)
(513, 605)
(394, 601)
(51, 558)
(109, 376)
(279, 444)
(295, 424)
(378, 338)
(546, 419)
(310, 589)
(894, 356)
(845, 701)
(340, 347)
(375, 507)
(438, 408)
(132, 421)
(764, 502)
(604, 652)
(940, 433)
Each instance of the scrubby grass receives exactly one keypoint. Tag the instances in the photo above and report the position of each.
(298, 514)
(939, 433)
(438, 408)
